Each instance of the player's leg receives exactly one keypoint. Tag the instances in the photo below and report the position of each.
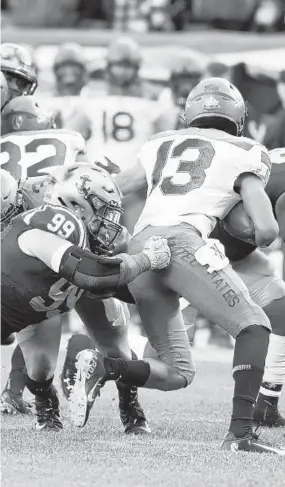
(107, 323)
(12, 401)
(12, 396)
(189, 315)
(268, 291)
(40, 345)
(221, 296)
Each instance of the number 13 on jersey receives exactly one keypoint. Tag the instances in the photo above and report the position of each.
(195, 156)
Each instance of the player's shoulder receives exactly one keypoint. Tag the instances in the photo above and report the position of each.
(244, 143)
(70, 138)
(163, 135)
(58, 220)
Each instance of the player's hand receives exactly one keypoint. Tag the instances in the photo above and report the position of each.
(158, 252)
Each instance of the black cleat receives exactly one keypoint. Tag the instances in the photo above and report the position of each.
(47, 412)
(14, 404)
(131, 412)
(268, 415)
(249, 443)
(88, 381)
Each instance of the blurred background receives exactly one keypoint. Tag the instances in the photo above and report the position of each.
(117, 91)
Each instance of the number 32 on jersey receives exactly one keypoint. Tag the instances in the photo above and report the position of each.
(195, 156)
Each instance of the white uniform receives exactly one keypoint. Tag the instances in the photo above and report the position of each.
(120, 127)
(191, 176)
(28, 154)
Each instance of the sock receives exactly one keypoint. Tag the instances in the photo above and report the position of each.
(17, 377)
(76, 344)
(131, 372)
(274, 374)
(123, 388)
(40, 389)
(248, 367)
(269, 394)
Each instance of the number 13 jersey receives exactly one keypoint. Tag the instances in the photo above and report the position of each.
(192, 174)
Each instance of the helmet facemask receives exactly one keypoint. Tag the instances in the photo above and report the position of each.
(103, 228)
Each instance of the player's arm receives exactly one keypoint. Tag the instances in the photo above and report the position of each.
(280, 214)
(85, 269)
(132, 179)
(259, 208)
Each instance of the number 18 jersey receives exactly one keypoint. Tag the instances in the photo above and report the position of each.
(192, 174)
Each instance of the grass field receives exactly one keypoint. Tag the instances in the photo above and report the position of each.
(182, 451)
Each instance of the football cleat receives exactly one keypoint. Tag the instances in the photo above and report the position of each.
(249, 443)
(47, 412)
(67, 379)
(268, 416)
(14, 404)
(131, 412)
(88, 381)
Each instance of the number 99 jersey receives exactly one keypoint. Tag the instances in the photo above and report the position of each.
(28, 154)
(31, 292)
(120, 127)
(192, 176)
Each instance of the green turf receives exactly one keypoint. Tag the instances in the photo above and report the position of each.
(183, 450)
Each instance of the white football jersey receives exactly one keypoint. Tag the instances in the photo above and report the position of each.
(191, 176)
(120, 126)
(29, 154)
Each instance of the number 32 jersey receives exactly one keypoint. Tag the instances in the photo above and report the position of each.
(28, 154)
(31, 292)
(192, 176)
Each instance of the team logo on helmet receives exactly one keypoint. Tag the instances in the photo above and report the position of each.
(212, 87)
(211, 103)
(83, 187)
(17, 121)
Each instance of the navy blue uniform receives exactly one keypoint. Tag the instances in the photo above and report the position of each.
(31, 291)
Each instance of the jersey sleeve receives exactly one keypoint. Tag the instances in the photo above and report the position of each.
(253, 158)
(59, 221)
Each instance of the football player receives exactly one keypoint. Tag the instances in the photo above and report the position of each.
(4, 90)
(267, 290)
(124, 119)
(18, 71)
(110, 312)
(71, 76)
(186, 72)
(82, 210)
(186, 194)
(18, 68)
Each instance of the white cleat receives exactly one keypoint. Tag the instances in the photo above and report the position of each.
(88, 382)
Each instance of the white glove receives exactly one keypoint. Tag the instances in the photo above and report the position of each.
(158, 252)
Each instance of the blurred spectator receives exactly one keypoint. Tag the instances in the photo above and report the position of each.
(269, 16)
(127, 15)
